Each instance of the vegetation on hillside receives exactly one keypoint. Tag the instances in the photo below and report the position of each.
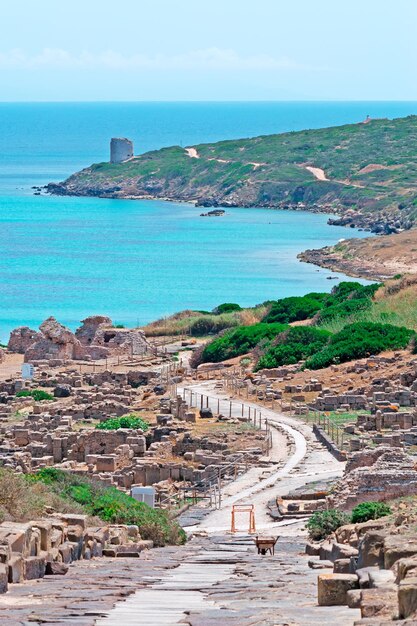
(240, 341)
(22, 500)
(352, 322)
(203, 323)
(36, 394)
(360, 340)
(369, 510)
(111, 505)
(126, 421)
(323, 523)
(294, 345)
(369, 167)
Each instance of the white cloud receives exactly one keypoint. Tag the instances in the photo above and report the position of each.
(208, 59)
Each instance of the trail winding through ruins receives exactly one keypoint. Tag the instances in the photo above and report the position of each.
(306, 461)
(219, 577)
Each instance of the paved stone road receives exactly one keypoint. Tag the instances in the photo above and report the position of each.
(214, 578)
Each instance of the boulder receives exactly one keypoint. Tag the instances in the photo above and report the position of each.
(332, 588)
(62, 391)
(206, 413)
(54, 568)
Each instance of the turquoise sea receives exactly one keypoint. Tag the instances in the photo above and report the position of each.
(139, 260)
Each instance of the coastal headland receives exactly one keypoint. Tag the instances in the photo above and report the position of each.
(364, 173)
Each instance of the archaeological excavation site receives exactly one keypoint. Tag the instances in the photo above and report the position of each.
(210, 473)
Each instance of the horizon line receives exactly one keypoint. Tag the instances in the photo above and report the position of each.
(237, 101)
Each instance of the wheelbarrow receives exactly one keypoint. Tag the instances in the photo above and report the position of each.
(266, 544)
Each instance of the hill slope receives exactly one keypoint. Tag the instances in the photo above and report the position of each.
(365, 172)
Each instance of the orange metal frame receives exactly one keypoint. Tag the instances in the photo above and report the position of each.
(243, 508)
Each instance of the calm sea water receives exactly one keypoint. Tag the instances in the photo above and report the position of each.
(139, 260)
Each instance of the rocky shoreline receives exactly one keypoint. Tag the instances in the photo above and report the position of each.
(331, 260)
(374, 258)
(376, 223)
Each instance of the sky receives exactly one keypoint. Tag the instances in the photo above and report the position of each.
(133, 50)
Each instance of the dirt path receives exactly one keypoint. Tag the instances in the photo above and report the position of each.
(317, 172)
(306, 461)
(192, 153)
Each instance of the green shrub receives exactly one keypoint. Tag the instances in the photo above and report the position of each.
(328, 305)
(344, 309)
(239, 341)
(293, 345)
(227, 307)
(350, 290)
(211, 325)
(323, 523)
(36, 394)
(360, 340)
(369, 510)
(295, 308)
(127, 421)
(112, 505)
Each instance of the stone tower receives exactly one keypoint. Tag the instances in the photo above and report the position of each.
(121, 149)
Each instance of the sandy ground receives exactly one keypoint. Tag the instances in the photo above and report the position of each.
(11, 366)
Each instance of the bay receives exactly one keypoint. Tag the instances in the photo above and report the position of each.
(140, 260)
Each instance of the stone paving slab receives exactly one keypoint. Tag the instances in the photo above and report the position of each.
(209, 581)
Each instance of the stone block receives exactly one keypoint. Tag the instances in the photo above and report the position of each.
(73, 519)
(332, 588)
(313, 549)
(341, 566)
(398, 547)
(407, 597)
(15, 568)
(353, 598)
(343, 551)
(371, 549)
(53, 568)
(65, 551)
(380, 602)
(325, 551)
(318, 564)
(34, 567)
(3, 578)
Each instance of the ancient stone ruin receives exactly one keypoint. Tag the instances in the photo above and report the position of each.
(97, 338)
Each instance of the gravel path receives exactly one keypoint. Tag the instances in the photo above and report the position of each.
(303, 461)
